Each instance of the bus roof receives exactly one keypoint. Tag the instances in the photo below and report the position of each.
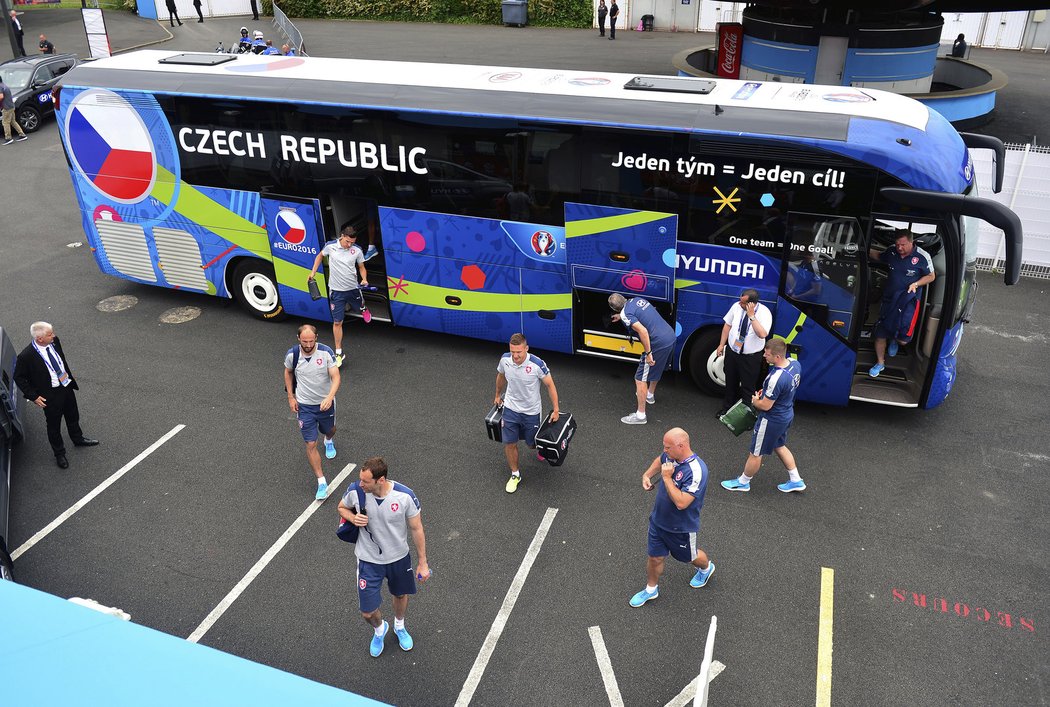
(829, 101)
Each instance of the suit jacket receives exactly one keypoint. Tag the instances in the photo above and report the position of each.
(18, 28)
(31, 373)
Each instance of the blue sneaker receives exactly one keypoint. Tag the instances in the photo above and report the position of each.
(322, 492)
(375, 648)
(403, 639)
(329, 448)
(876, 370)
(700, 578)
(892, 350)
(644, 596)
(790, 486)
(735, 485)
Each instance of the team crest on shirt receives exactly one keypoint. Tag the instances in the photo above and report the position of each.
(319, 361)
(394, 507)
(914, 261)
(528, 369)
(362, 584)
(678, 476)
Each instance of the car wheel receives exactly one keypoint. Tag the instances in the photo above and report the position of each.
(254, 286)
(705, 369)
(29, 118)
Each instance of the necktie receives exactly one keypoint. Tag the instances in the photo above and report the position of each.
(56, 366)
(743, 330)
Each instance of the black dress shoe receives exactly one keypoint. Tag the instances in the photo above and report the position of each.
(62, 462)
(86, 442)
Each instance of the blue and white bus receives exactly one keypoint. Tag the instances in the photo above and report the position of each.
(226, 174)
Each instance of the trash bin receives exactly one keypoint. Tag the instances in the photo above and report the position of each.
(647, 23)
(516, 12)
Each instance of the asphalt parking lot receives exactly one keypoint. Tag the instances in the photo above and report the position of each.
(933, 522)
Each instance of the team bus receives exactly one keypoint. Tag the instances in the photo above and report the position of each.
(496, 200)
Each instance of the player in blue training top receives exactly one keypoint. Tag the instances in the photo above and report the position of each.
(657, 336)
(776, 405)
(911, 267)
(675, 520)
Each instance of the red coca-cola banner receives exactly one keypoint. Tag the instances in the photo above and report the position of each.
(730, 43)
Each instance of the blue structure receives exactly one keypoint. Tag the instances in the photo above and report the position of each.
(55, 652)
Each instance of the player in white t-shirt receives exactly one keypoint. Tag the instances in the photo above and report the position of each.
(345, 262)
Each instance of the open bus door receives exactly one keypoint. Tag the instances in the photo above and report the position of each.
(608, 250)
(296, 236)
(818, 304)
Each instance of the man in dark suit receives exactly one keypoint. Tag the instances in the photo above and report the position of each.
(16, 24)
(42, 373)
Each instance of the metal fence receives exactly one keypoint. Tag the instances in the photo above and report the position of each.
(286, 27)
(1026, 190)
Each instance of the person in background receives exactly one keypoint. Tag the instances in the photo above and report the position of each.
(658, 338)
(270, 50)
(258, 43)
(776, 411)
(614, 14)
(244, 44)
(46, 47)
(173, 13)
(16, 27)
(345, 263)
(197, 7)
(43, 375)
(312, 380)
(603, 10)
(290, 51)
(959, 46)
(7, 114)
(747, 324)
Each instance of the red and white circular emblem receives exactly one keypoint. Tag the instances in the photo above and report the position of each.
(678, 476)
(362, 584)
(394, 507)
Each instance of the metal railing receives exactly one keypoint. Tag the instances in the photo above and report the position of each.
(286, 27)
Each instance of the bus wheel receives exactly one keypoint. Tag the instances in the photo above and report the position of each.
(705, 369)
(255, 286)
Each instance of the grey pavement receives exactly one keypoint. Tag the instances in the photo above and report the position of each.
(1020, 115)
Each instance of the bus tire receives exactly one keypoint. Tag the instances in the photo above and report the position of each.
(704, 368)
(254, 286)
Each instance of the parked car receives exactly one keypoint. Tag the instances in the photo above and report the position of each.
(31, 80)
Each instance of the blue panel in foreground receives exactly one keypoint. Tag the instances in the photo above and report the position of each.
(55, 652)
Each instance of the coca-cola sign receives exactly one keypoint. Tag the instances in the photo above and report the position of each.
(730, 42)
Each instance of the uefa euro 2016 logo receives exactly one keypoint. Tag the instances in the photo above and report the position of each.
(543, 243)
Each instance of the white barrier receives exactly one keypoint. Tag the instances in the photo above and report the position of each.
(704, 678)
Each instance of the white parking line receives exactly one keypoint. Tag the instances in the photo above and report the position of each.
(467, 693)
(41, 534)
(605, 666)
(686, 696)
(258, 567)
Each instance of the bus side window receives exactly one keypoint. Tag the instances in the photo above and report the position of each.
(823, 268)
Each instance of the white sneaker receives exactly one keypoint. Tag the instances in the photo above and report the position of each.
(633, 419)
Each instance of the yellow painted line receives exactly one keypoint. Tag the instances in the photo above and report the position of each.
(827, 616)
(680, 284)
(612, 343)
(796, 328)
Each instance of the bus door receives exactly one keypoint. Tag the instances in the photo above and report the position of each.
(296, 237)
(818, 310)
(608, 250)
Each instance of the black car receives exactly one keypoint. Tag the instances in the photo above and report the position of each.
(31, 80)
(10, 432)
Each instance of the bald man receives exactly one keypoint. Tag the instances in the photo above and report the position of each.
(675, 520)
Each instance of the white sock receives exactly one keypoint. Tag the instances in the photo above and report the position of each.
(399, 624)
(651, 588)
(641, 415)
(321, 480)
(515, 473)
(328, 440)
(339, 351)
(793, 475)
(744, 479)
(379, 629)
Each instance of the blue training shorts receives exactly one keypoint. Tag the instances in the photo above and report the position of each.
(312, 418)
(340, 298)
(517, 426)
(399, 576)
(680, 546)
(768, 436)
(651, 374)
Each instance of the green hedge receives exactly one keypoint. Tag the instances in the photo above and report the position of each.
(544, 13)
